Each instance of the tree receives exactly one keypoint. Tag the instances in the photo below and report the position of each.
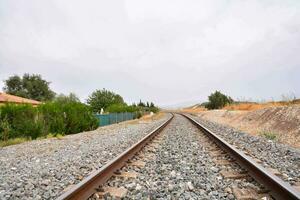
(72, 97)
(103, 99)
(29, 86)
(133, 105)
(218, 100)
(141, 104)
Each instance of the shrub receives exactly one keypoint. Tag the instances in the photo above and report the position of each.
(4, 129)
(119, 108)
(116, 108)
(218, 100)
(68, 117)
(154, 109)
(52, 115)
(269, 135)
(139, 115)
(25, 121)
(147, 107)
(78, 118)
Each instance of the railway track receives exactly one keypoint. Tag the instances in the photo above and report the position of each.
(223, 153)
(273, 184)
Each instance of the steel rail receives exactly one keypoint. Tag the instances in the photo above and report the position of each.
(87, 187)
(278, 188)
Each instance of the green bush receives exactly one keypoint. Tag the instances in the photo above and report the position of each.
(139, 110)
(4, 129)
(139, 114)
(78, 118)
(68, 117)
(119, 108)
(25, 121)
(52, 115)
(269, 135)
(218, 100)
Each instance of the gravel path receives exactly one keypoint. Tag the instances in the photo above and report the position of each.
(278, 156)
(42, 169)
(182, 169)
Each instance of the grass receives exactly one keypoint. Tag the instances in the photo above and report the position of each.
(194, 110)
(245, 106)
(13, 141)
(59, 136)
(269, 135)
(153, 117)
(22, 140)
(251, 106)
(51, 135)
(257, 106)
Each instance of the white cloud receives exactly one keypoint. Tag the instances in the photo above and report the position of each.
(164, 51)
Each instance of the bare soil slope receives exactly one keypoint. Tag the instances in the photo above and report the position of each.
(283, 121)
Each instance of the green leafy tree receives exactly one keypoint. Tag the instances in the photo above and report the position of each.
(29, 86)
(103, 99)
(218, 100)
(72, 97)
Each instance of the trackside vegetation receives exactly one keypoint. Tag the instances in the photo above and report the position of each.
(217, 100)
(109, 102)
(26, 121)
(58, 115)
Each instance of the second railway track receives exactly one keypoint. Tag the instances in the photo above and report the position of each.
(182, 163)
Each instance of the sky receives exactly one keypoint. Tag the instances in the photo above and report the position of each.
(170, 52)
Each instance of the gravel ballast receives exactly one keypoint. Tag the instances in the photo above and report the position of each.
(273, 155)
(42, 169)
(182, 169)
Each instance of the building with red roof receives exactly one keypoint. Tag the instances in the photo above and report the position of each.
(8, 98)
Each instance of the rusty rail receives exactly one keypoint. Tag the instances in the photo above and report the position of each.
(87, 187)
(277, 187)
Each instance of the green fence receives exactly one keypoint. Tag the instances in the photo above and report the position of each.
(112, 118)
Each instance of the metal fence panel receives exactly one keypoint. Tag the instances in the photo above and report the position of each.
(112, 118)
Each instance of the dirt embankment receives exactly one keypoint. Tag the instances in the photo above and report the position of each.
(282, 121)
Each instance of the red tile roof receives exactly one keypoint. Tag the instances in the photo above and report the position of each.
(8, 98)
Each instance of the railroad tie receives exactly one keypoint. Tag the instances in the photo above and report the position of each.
(126, 175)
(257, 160)
(116, 192)
(233, 174)
(297, 186)
(138, 163)
(216, 153)
(147, 156)
(248, 193)
(223, 162)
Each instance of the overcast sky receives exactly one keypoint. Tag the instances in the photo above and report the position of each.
(170, 52)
